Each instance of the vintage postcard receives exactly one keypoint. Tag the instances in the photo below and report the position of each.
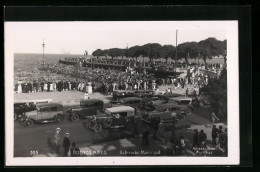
(121, 93)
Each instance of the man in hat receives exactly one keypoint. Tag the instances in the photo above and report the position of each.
(57, 139)
(66, 144)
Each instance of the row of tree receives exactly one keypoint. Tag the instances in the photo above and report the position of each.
(205, 49)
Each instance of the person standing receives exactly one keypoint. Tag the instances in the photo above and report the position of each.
(161, 130)
(66, 144)
(202, 138)
(57, 140)
(214, 134)
(214, 117)
(145, 139)
(196, 138)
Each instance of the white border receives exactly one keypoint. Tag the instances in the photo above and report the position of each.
(231, 28)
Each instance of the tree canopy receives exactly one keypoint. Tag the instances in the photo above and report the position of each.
(205, 49)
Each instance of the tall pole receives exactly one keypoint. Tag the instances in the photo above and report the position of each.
(43, 45)
(176, 53)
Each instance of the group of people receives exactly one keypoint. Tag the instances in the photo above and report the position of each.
(219, 139)
(68, 147)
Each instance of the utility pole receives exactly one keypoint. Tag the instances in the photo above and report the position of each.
(43, 45)
(176, 53)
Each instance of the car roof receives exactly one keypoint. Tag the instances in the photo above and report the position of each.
(131, 98)
(48, 104)
(120, 109)
(124, 91)
(181, 98)
(90, 100)
(167, 105)
(173, 94)
(30, 101)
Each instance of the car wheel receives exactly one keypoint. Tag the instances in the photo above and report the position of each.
(75, 117)
(58, 119)
(97, 127)
(188, 111)
(28, 123)
(86, 124)
(107, 122)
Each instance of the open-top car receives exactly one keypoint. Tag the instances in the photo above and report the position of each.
(22, 106)
(86, 108)
(45, 112)
(114, 117)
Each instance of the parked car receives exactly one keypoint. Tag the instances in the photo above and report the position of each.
(118, 94)
(184, 101)
(86, 108)
(114, 117)
(134, 102)
(147, 97)
(22, 106)
(154, 118)
(178, 109)
(45, 112)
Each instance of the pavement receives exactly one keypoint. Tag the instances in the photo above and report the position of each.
(118, 146)
(132, 146)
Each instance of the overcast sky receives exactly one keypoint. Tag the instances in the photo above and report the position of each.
(76, 37)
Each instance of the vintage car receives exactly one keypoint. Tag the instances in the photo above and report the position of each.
(118, 94)
(114, 117)
(86, 108)
(134, 102)
(22, 106)
(147, 97)
(184, 101)
(45, 112)
(178, 109)
(154, 118)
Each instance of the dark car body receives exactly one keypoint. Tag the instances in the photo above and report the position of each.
(114, 117)
(44, 112)
(154, 118)
(134, 102)
(86, 108)
(118, 94)
(22, 106)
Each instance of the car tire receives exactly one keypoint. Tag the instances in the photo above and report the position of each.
(86, 124)
(58, 119)
(188, 111)
(74, 117)
(97, 127)
(107, 122)
(28, 123)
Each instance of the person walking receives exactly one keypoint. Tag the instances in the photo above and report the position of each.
(57, 140)
(66, 144)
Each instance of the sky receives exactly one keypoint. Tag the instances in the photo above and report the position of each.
(76, 37)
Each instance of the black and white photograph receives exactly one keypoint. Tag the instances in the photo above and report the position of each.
(121, 93)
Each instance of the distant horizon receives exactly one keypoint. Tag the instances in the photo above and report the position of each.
(76, 37)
